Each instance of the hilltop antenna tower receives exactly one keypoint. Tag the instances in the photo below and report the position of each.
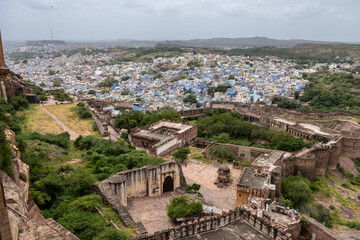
(51, 34)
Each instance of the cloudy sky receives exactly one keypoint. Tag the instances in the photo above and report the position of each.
(332, 20)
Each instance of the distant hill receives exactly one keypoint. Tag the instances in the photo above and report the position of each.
(229, 43)
(45, 42)
(304, 52)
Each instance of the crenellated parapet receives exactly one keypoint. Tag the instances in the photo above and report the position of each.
(264, 224)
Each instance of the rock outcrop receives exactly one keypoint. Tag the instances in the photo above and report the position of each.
(26, 220)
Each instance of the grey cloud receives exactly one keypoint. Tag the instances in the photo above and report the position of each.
(182, 19)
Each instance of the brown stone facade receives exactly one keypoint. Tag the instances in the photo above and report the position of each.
(163, 137)
(263, 222)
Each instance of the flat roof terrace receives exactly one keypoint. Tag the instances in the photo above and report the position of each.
(171, 125)
(250, 179)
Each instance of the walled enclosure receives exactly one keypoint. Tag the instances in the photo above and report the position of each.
(163, 137)
(145, 181)
(264, 224)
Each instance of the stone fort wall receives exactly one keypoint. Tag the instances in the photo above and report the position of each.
(264, 224)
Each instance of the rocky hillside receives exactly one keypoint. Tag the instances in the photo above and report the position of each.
(26, 220)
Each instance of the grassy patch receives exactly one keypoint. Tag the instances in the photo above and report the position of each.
(37, 120)
(66, 114)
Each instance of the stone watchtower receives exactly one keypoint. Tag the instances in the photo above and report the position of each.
(4, 71)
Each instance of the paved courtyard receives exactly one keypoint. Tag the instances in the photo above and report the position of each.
(151, 211)
(205, 175)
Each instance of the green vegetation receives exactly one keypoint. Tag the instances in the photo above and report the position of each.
(82, 111)
(182, 154)
(134, 119)
(91, 91)
(182, 207)
(108, 82)
(229, 127)
(322, 215)
(61, 96)
(221, 153)
(332, 91)
(220, 88)
(297, 190)
(300, 193)
(5, 154)
(17, 56)
(303, 53)
(63, 191)
(9, 119)
(106, 158)
(61, 140)
(190, 98)
(144, 54)
(193, 188)
(353, 180)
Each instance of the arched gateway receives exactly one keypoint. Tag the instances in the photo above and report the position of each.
(168, 184)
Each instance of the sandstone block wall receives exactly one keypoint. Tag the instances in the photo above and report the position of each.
(319, 231)
(241, 152)
(264, 224)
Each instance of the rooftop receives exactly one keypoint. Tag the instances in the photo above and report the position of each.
(250, 179)
(237, 230)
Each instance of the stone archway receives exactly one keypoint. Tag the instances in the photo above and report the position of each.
(168, 185)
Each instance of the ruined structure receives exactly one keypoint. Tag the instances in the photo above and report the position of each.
(224, 176)
(145, 181)
(141, 182)
(163, 137)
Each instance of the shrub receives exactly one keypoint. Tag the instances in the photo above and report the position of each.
(61, 140)
(5, 154)
(322, 215)
(221, 153)
(296, 189)
(182, 154)
(113, 234)
(332, 207)
(193, 188)
(182, 207)
(285, 202)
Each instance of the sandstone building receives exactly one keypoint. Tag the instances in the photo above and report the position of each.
(163, 137)
(150, 181)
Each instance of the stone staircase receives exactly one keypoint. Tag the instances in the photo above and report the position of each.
(48, 230)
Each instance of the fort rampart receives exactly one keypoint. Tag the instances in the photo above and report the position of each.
(264, 224)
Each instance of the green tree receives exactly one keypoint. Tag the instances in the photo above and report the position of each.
(43, 98)
(296, 188)
(191, 98)
(296, 94)
(322, 215)
(222, 153)
(92, 92)
(182, 154)
(42, 84)
(113, 234)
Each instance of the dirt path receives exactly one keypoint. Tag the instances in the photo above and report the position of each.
(73, 134)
